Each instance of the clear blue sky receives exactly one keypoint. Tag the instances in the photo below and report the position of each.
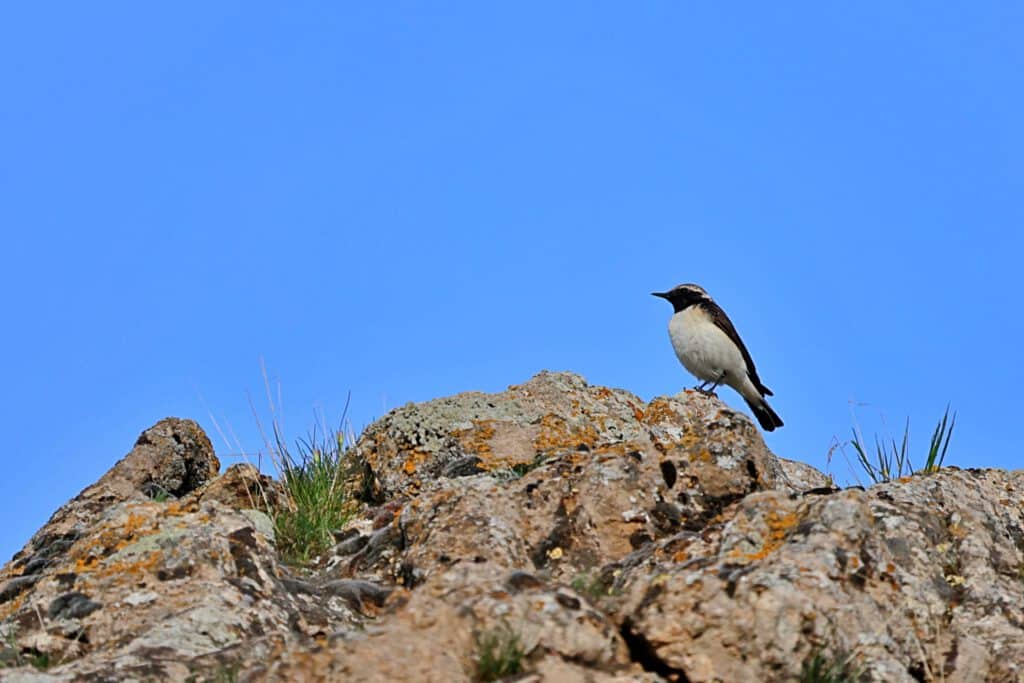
(408, 200)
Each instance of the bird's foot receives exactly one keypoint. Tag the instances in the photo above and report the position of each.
(710, 391)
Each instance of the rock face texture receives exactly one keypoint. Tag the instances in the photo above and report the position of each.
(574, 532)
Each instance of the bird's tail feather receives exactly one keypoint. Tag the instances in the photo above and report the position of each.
(768, 418)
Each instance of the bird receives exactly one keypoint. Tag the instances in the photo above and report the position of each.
(708, 346)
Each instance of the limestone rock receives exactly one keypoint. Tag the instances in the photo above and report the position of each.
(601, 538)
(919, 579)
(171, 458)
(572, 473)
(121, 587)
(243, 487)
(554, 416)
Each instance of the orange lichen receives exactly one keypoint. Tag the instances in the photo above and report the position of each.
(177, 508)
(11, 607)
(658, 411)
(92, 564)
(477, 439)
(413, 461)
(147, 563)
(86, 564)
(622, 448)
(557, 435)
(778, 525)
(439, 498)
(133, 524)
(689, 440)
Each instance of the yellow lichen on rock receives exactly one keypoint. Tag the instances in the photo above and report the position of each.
(779, 525)
(556, 434)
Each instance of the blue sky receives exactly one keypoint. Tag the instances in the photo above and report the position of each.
(408, 200)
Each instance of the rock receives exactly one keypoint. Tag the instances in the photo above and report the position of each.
(909, 579)
(577, 531)
(558, 416)
(352, 544)
(800, 477)
(73, 605)
(436, 634)
(173, 455)
(16, 585)
(243, 487)
(598, 469)
(129, 588)
(358, 594)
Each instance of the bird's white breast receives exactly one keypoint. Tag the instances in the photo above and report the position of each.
(703, 348)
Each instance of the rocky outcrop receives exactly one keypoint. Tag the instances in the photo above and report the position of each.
(159, 571)
(591, 535)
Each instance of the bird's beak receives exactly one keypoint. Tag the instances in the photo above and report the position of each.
(663, 295)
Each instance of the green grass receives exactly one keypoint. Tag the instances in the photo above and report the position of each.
(891, 459)
(314, 474)
(11, 655)
(224, 673)
(817, 668)
(940, 443)
(520, 469)
(590, 585)
(499, 654)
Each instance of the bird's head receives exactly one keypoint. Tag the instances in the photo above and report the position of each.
(684, 296)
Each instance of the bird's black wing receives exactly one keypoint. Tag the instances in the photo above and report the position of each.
(723, 323)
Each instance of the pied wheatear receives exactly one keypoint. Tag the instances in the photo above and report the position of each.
(707, 345)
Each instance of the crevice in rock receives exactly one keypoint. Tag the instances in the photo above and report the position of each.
(668, 473)
(949, 663)
(755, 479)
(368, 489)
(559, 537)
(821, 491)
(643, 653)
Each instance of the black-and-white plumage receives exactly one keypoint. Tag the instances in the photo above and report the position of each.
(708, 346)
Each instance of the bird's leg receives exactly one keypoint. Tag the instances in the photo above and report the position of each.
(711, 391)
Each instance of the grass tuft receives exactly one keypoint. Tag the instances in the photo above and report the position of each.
(11, 655)
(314, 475)
(940, 443)
(817, 668)
(591, 585)
(889, 461)
(499, 654)
(520, 469)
